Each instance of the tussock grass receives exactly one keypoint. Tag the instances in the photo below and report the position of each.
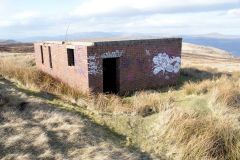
(141, 103)
(172, 131)
(22, 70)
(226, 92)
(107, 103)
(195, 136)
(147, 102)
(204, 138)
(198, 87)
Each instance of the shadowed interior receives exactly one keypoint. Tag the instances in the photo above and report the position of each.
(110, 84)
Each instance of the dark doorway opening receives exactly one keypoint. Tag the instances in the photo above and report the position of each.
(110, 75)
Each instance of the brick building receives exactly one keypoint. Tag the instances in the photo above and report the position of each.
(112, 65)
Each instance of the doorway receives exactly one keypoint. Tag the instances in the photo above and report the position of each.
(111, 75)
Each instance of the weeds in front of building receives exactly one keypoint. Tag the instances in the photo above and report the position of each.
(173, 123)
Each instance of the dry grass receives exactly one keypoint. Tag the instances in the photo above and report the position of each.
(106, 103)
(193, 136)
(149, 102)
(42, 132)
(17, 47)
(25, 73)
(203, 137)
(141, 103)
(202, 56)
(173, 131)
(198, 87)
(227, 92)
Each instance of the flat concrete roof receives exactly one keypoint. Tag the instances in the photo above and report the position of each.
(108, 40)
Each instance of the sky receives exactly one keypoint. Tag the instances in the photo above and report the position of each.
(29, 18)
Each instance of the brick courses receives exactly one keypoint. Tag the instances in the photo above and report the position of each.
(146, 63)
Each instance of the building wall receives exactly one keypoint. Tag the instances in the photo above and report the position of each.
(142, 64)
(145, 64)
(76, 76)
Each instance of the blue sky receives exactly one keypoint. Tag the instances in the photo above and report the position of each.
(27, 18)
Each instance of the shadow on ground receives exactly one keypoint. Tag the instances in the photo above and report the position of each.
(196, 75)
(40, 131)
(186, 75)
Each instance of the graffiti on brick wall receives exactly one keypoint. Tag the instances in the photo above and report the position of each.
(147, 52)
(125, 62)
(164, 63)
(114, 54)
(79, 61)
(93, 65)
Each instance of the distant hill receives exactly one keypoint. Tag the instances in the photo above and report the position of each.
(216, 36)
(225, 42)
(208, 57)
(83, 35)
(16, 47)
(205, 52)
(231, 45)
(8, 41)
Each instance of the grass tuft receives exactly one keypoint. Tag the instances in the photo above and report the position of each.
(226, 92)
(30, 76)
(202, 137)
(198, 88)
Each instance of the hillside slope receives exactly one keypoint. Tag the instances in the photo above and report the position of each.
(41, 131)
(203, 56)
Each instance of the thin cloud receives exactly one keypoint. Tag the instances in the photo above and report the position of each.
(142, 16)
(136, 7)
(234, 13)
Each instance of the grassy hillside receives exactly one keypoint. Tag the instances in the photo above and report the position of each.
(15, 47)
(196, 119)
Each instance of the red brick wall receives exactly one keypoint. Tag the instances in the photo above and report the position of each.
(75, 76)
(137, 65)
(140, 63)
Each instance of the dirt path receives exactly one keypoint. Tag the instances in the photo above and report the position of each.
(37, 130)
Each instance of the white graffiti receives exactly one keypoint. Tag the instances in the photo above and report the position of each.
(93, 66)
(162, 62)
(147, 52)
(115, 54)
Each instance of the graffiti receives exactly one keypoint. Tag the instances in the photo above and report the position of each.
(79, 60)
(147, 52)
(163, 63)
(115, 54)
(93, 66)
(167, 77)
(125, 62)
